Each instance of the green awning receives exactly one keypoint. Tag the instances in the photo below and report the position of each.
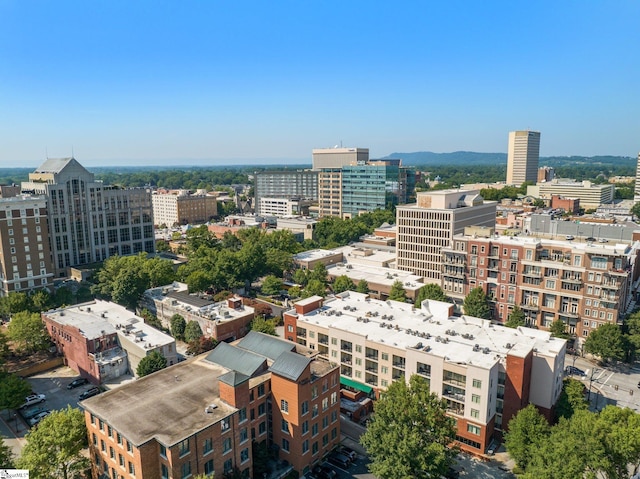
(355, 385)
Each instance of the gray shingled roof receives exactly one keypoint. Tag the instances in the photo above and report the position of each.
(290, 365)
(56, 165)
(233, 378)
(236, 359)
(265, 345)
(187, 298)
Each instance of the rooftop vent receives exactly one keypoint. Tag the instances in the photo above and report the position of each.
(210, 408)
(419, 346)
(486, 350)
(508, 345)
(476, 348)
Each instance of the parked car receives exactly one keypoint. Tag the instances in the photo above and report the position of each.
(33, 399)
(603, 240)
(339, 460)
(324, 472)
(590, 239)
(350, 453)
(89, 393)
(77, 382)
(569, 237)
(575, 371)
(32, 411)
(38, 417)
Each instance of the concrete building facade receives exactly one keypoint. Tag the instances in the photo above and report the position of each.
(338, 157)
(486, 373)
(25, 257)
(301, 185)
(202, 415)
(590, 195)
(179, 207)
(523, 154)
(90, 221)
(427, 226)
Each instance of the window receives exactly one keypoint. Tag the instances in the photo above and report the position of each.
(314, 448)
(244, 435)
(325, 404)
(477, 383)
(305, 446)
(285, 445)
(103, 447)
(261, 390)
(325, 439)
(305, 407)
(334, 416)
(473, 429)
(164, 471)
(208, 467)
(314, 411)
(112, 453)
(285, 426)
(305, 427)
(284, 405)
(314, 391)
(475, 398)
(129, 447)
(183, 447)
(314, 429)
(207, 446)
(385, 356)
(262, 410)
(358, 348)
(225, 425)
(242, 414)
(132, 469)
(244, 455)
(121, 460)
(226, 445)
(101, 424)
(185, 470)
(334, 433)
(334, 397)
(119, 438)
(228, 466)
(475, 413)
(109, 431)
(163, 451)
(262, 428)
(325, 422)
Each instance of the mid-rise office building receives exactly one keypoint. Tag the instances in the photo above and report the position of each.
(583, 284)
(522, 157)
(590, 195)
(485, 372)
(181, 207)
(25, 258)
(338, 157)
(203, 415)
(88, 220)
(425, 227)
(301, 185)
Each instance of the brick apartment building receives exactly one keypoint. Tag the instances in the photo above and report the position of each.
(201, 416)
(485, 372)
(102, 340)
(222, 320)
(584, 284)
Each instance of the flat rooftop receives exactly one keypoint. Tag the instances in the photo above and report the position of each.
(377, 275)
(97, 318)
(315, 254)
(464, 339)
(179, 394)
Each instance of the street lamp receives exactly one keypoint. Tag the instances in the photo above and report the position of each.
(15, 417)
(593, 371)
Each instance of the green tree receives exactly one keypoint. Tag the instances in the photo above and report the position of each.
(201, 345)
(571, 399)
(63, 297)
(527, 430)
(300, 277)
(198, 281)
(162, 246)
(430, 291)
(558, 329)
(54, 449)
(13, 390)
(363, 286)
(192, 331)
(28, 332)
(409, 434)
(128, 288)
(635, 209)
(262, 325)
(620, 429)
(151, 363)
(476, 304)
(200, 237)
(315, 287)
(6, 455)
(397, 292)
(319, 273)
(607, 342)
(294, 291)
(178, 326)
(41, 300)
(516, 318)
(343, 283)
(152, 320)
(271, 285)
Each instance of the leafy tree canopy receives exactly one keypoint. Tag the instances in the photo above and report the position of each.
(476, 304)
(410, 433)
(363, 286)
(178, 326)
(262, 325)
(151, 363)
(607, 342)
(516, 318)
(558, 329)
(430, 291)
(343, 283)
(397, 292)
(527, 430)
(54, 449)
(13, 390)
(271, 285)
(28, 332)
(192, 331)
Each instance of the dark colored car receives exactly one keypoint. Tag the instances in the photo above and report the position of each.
(350, 453)
(339, 460)
(89, 393)
(77, 383)
(33, 411)
(324, 472)
(590, 239)
(575, 371)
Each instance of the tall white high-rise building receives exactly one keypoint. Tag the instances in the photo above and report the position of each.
(522, 157)
(636, 195)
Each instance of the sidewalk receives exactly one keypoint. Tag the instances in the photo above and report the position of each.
(13, 437)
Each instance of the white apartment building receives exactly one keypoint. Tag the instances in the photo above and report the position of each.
(175, 207)
(522, 157)
(590, 195)
(427, 226)
(485, 372)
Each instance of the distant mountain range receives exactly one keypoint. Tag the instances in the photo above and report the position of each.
(420, 158)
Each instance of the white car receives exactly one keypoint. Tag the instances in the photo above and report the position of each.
(34, 399)
(38, 417)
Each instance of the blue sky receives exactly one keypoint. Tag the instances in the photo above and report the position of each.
(215, 82)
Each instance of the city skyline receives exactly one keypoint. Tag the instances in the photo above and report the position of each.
(249, 83)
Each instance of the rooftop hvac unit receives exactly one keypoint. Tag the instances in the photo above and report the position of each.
(486, 350)
(476, 348)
